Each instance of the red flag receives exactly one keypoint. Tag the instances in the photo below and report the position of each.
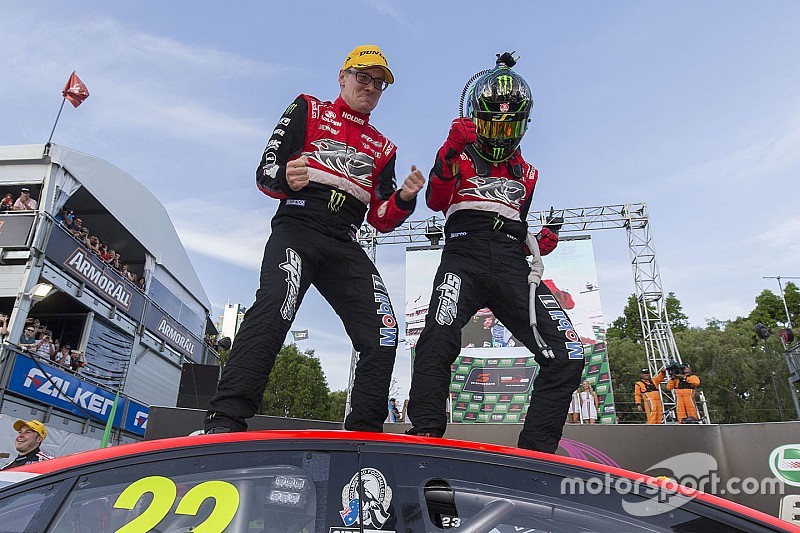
(75, 91)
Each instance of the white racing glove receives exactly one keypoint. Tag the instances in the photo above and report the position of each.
(534, 278)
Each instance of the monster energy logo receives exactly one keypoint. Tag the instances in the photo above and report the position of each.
(336, 202)
(504, 84)
(497, 223)
(497, 152)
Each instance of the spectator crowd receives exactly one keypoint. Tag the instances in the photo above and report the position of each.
(74, 224)
(66, 217)
(23, 203)
(38, 339)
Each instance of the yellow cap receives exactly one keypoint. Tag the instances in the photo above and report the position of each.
(366, 56)
(35, 425)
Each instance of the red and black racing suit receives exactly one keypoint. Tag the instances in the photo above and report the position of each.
(313, 241)
(483, 265)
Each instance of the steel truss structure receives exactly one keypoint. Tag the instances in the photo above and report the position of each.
(658, 339)
(792, 355)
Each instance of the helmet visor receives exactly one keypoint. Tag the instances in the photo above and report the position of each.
(491, 129)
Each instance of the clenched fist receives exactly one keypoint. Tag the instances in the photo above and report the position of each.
(412, 185)
(297, 173)
(548, 240)
(462, 132)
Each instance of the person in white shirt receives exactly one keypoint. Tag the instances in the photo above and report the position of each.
(589, 403)
(45, 347)
(64, 358)
(25, 202)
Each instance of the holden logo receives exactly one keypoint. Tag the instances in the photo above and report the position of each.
(784, 461)
(504, 107)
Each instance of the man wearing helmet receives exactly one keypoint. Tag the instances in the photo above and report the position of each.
(330, 169)
(484, 187)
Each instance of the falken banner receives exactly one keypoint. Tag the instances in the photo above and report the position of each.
(136, 417)
(493, 375)
(52, 386)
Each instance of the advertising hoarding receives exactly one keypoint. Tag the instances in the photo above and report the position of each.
(42, 382)
(85, 266)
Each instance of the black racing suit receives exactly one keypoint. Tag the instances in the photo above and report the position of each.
(483, 265)
(313, 241)
(33, 456)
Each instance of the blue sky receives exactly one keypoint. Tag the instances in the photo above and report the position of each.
(690, 106)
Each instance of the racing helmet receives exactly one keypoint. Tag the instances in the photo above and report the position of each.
(499, 103)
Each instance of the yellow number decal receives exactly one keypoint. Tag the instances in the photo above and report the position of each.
(164, 492)
(226, 504)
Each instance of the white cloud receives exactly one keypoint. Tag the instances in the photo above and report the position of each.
(235, 237)
(785, 237)
(43, 42)
(769, 150)
(387, 7)
(140, 83)
(164, 115)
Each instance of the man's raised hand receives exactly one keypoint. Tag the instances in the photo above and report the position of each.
(412, 185)
(297, 173)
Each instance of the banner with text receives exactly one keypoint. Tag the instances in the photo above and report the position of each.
(98, 275)
(61, 389)
(172, 332)
(49, 385)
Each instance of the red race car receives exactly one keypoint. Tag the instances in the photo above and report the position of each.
(337, 481)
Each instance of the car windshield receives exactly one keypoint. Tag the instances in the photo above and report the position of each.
(9, 478)
(277, 497)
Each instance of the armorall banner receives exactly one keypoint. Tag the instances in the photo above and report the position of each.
(174, 334)
(95, 273)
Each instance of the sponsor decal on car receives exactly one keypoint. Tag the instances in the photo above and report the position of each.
(373, 511)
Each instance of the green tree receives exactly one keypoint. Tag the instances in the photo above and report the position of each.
(743, 378)
(297, 387)
(769, 309)
(678, 321)
(224, 355)
(626, 358)
(792, 295)
(736, 371)
(336, 402)
(629, 325)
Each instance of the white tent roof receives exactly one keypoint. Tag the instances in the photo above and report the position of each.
(129, 202)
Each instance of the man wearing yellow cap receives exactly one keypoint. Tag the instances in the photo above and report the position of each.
(30, 435)
(330, 169)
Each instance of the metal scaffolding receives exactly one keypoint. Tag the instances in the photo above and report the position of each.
(658, 339)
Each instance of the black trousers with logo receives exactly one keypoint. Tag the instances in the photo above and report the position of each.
(295, 258)
(490, 270)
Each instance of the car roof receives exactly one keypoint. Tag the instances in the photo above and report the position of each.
(194, 442)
